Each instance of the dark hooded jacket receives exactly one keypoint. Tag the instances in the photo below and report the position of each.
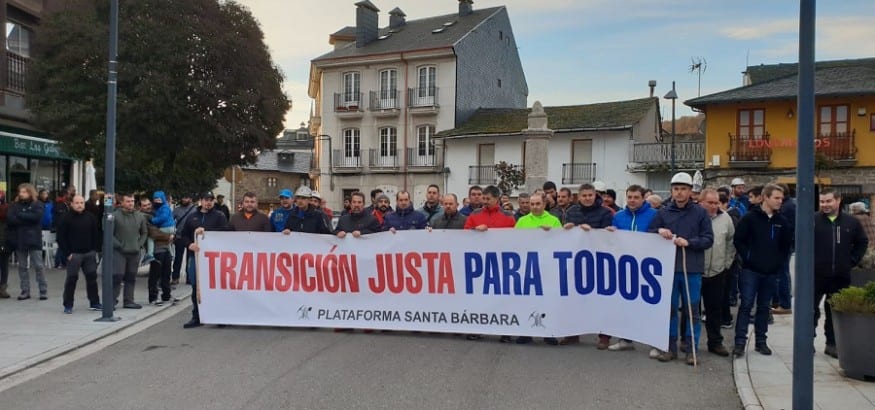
(23, 220)
(595, 215)
(691, 223)
(763, 243)
(838, 245)
(405, 219)
(363, 222)
(308, 220)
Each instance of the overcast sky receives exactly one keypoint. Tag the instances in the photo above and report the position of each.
(587, 51)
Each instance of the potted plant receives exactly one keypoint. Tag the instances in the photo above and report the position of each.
(853, 314)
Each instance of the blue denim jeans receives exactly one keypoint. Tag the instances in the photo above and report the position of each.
(783, 295)
(678, 298)
(754, 288)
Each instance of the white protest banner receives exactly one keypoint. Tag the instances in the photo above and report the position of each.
(503, 282)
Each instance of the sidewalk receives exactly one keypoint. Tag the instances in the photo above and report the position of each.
(767, 381)
(34, 331)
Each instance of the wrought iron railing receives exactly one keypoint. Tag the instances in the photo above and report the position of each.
(743, 148)
(384, 100)
(380, 158)
(424, 158)
(348, 102)
(837, 147)
(16, 72)
(660, 152)
(422, 97)
(347, 158)
(578, 172)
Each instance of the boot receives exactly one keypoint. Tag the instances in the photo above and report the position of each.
(3, 293)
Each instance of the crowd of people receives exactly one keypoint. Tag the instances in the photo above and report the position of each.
(733, 244)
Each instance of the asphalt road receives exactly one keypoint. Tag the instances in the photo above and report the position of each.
(167, 367)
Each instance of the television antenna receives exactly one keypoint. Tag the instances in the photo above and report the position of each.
(698, 65)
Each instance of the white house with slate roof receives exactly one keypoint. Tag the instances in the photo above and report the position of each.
(580, 144)
(384, 92)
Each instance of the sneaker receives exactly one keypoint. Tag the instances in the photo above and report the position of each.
(505, 339)
(654, 353)
(473, 337)
(95, 306)
(132, 306)
(156, 302)
(523, 340)
(682, 346)
(174, 282)
(192, 323)
(621, 345)
(552, 341)
(691, 360)
(43, 296)
(68, 310)
(727, 324)
(719, 350)
(24, 296)
(738, 351)
(147, 259)
(831, 351)
(666, 356)
(782, 311)
(763, 348)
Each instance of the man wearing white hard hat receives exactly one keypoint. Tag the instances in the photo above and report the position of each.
(688, 226)
(739, 199)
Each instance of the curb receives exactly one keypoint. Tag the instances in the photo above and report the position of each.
(9, 371)
(743, 384)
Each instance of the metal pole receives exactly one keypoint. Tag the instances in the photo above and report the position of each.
(109, 169)
(673, 129)
(803, 313)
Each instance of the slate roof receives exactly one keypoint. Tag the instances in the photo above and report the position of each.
(762, 73)
(414, 35)
(269, 161)
(829, 81)
(509, 121)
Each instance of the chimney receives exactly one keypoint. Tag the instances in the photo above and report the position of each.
(396, 18)
(367, 23)
(466, 7)
(652, 84)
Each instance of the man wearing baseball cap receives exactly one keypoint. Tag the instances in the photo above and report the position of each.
(279, 216)
(688, 226)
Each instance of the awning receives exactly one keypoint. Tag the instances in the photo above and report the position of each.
(19, 144)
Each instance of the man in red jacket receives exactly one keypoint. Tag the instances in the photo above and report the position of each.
(490, 216)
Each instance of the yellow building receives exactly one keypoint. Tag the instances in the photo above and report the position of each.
(751, 131)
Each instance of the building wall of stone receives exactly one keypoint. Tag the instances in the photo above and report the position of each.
(485, 56)
(256, 181)
(862, 176)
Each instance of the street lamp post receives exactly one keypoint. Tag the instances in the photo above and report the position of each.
(109, 169)
(672, 95)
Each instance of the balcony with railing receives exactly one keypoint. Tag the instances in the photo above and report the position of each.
(424, 160)
(383, 160)
(348, 105)
(578, 173)
(385, 103)
(481, 174)
(750, 152)
(16, 72)
(650, 155)
(423, 100)
(346, 161)
(840, 148)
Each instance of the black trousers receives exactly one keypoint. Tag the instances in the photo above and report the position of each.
(4, 266)
(88, 263)
(159, 275)
(714, 299)
(179, 251)
(825, 286)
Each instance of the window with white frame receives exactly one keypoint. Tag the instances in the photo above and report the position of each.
(388, 141)
(426, 80)
(351, 87)
(351, 143)
(424, 141)
(388, 84)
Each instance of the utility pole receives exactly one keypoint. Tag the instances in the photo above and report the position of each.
(109, 168)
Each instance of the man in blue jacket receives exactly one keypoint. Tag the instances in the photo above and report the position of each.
(279, 216)
(688, 226)
(763, 239)
(636, 217)
(405, 217)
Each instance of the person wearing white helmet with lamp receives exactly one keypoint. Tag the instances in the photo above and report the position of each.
(739, 199)
(688, 226)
